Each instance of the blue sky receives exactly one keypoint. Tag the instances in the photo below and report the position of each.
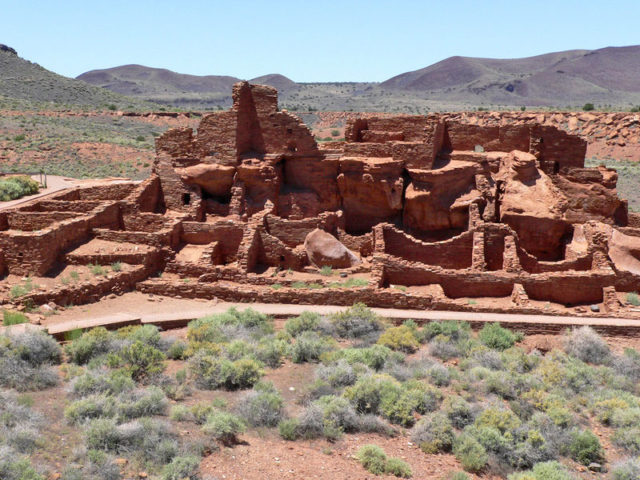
(306, 41)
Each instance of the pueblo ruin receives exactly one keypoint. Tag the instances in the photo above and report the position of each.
(409, 211)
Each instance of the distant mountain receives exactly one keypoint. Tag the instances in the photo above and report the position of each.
(165, 86)
(29, 82)
(607, 75)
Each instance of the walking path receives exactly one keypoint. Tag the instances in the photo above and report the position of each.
(136, 308)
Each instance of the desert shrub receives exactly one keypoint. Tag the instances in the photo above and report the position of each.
(93, 343)
(13, 466)
(588, 107)
(369, 392)
(585, 344)
(496, 337)
(213, 372)
(433, 433)
(626, 470)
(289, 429)
(181, 468)
(628, 438)
(305, 322)
(10, 317)
(628, 364)
(309, 346)
(414, 397)
(358, 322)
(398, 468)
(399, 338)
(111, 382)
(486, 358)
(147, 334)
(444, 347)
(339, 374)
(372, 458)
(139, 359)
(449, 328)
(180, 413)
(177, 350)
(207, 333)
(457, 476)
(12, 188)
(470, 453)
(374, 357)
(270, 351)
(585, 447)
(458, 411)
(633, 299)
(544, 471)
(94, 406)
(26, 359)
(35, 348)
(141, 403)
(439, 375)
(224, 427)
(262, 407)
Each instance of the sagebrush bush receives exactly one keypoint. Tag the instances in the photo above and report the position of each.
(496, 337)
(182, 468)
(544, 471)
(262, 407)
(398, 468)
(309, 346)
(26, 360)
(139, 359)
(17, 186)
(93, 343)
(628, 469)
(584, 343)
(433, 433)
(224, 427)
(14, 466)
(359, 322)
(212, 371)
(339, 374)
(289, 429)
(305, 322)
(458, 411)
(400, 338)
(374, 357)
(470, 453)
(372, 458)
(585, 447)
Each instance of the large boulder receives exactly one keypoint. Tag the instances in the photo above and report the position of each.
(323, 249)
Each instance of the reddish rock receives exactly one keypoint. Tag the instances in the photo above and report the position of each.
(323, 249)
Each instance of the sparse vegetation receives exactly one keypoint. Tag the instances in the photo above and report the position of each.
(15, 187)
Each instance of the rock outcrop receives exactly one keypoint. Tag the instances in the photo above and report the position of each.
(325, 250)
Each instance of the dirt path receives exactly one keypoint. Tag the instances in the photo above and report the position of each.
(169, 312)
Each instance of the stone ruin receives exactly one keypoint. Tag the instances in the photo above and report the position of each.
(427, 210)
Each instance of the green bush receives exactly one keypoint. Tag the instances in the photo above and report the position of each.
(309, 346)
(182, 468)
(399, 338)
(585, 447)
(398, 468)
(374, 357)
(633, 299)
(470, 453)
(433, 434)
(93, 343)
(212, 371)
(587, 107)
(584, 343)
(306, 321)
(263, 407)
(224, 427)
(372, 458)
(139, 359)
(12, 188)
(289, 429)
(544, 471)
(357, 321)
(626, 470)
(458, 476)
(496, 337)
(10, 317)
